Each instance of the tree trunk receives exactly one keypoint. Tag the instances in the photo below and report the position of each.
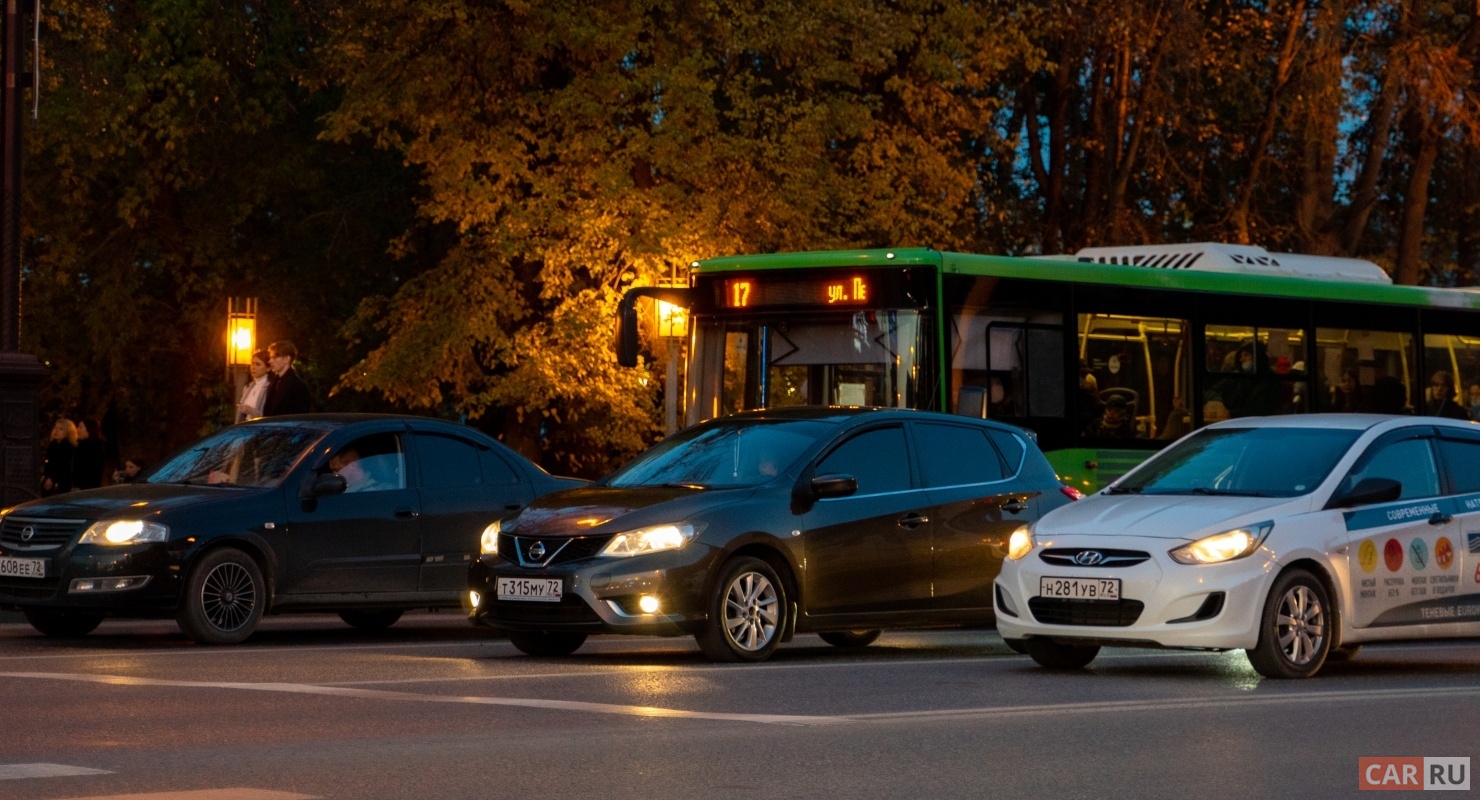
(1416, 201)
(1259, 153)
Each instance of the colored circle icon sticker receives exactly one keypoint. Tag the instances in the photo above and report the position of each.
(1443, 553)
(1392, 555)
(1418, 553)
(1367, 555)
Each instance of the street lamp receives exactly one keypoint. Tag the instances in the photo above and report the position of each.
(241, 340)
(673, 328)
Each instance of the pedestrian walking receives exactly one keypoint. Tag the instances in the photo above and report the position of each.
(254, 395)
(87, 461)
(287, 394)
(56, 473)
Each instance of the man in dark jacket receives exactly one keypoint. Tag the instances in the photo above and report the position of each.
(287, 394)
(1441, 398)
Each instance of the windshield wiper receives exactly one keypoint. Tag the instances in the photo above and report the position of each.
(1226, 492)
(1123, 490)
(682, 485)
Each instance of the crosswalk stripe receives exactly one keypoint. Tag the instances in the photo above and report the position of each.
(13, 771)
(204, 794)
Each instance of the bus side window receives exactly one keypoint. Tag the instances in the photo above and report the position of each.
(1134, 377)
(1364, 371)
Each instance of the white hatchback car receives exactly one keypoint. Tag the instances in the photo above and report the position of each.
(1294, 538)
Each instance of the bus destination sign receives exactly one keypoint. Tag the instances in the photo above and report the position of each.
(756, 293)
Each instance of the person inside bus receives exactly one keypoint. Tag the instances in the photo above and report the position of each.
(1179, 422)
(1117, 422)
(1242, 394)
(1091, 407)
(1347, 396)
(1441, 402)
(1474, 401)
(1388, 395)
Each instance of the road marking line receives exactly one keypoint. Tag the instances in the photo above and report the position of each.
(1173, 704)
(205, 794)
(13, 771)
(375, 694)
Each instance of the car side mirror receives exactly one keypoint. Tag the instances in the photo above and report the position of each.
(836, 485)
(1369, 491)
(327, 484)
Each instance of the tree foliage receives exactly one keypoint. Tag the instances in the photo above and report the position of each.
(444, 198)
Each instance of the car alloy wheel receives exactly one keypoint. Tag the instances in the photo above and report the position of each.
(1295, 629)
(748, 613)
(224, 598)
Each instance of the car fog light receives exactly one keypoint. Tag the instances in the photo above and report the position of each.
(474, 598)
(107, 584)
(648, 604)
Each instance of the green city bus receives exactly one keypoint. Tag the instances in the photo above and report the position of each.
(1107, 354)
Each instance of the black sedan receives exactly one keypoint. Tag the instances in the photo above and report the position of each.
(365, 515)
(743, 530)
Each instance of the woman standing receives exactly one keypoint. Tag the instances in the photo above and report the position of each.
(56, 473)
(254, 394)
(87, 463)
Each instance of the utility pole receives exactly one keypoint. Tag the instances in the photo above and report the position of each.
(21, 374)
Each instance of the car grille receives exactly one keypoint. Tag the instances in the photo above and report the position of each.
(568, 610)
(1104, 613)
(1064, 557)
(45, 532)
(28, 588)
(557, 549)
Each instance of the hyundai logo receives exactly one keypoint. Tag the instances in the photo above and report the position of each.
(537, 551)
(27, 533)
(1089, 558)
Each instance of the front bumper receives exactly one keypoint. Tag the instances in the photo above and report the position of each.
(68, 564)
(1175, 599)
(600, 594)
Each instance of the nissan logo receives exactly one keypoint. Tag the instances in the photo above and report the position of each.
(27, 533)
(537, 551)
(1089, 558)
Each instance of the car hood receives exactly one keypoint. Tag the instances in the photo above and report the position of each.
(136, 499)
(1161, 516)
(609, 509)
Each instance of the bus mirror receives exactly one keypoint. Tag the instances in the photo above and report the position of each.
(626, 335)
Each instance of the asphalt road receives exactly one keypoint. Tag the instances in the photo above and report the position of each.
(435, 709)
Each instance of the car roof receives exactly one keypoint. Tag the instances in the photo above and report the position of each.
(1357, 422)
(340, 420)
(842, 414)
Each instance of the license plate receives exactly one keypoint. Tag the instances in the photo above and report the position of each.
(542, 590)
(1080, 588)
(23, 567)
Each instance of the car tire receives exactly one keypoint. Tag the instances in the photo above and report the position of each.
(1346, 652)
(1016, 645)
(225, 596)
(1052, 655)
(748, 613)
(63, 624)
(376, 620)
(850, 638)
(1298, 647)
(546, 643)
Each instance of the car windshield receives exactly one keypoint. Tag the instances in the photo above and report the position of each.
(256, 456)
(1251, 462)
(722, 455)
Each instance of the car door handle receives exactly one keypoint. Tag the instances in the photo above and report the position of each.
(1440, 518)
(406, 513)
(912, 520)
(1015, 507)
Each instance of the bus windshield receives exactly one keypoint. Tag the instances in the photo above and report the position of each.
(871, 357)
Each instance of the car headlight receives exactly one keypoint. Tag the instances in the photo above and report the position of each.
(1225, 546)
(1020, 543)
(124, 531)
(649, 540)
(489, 542)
